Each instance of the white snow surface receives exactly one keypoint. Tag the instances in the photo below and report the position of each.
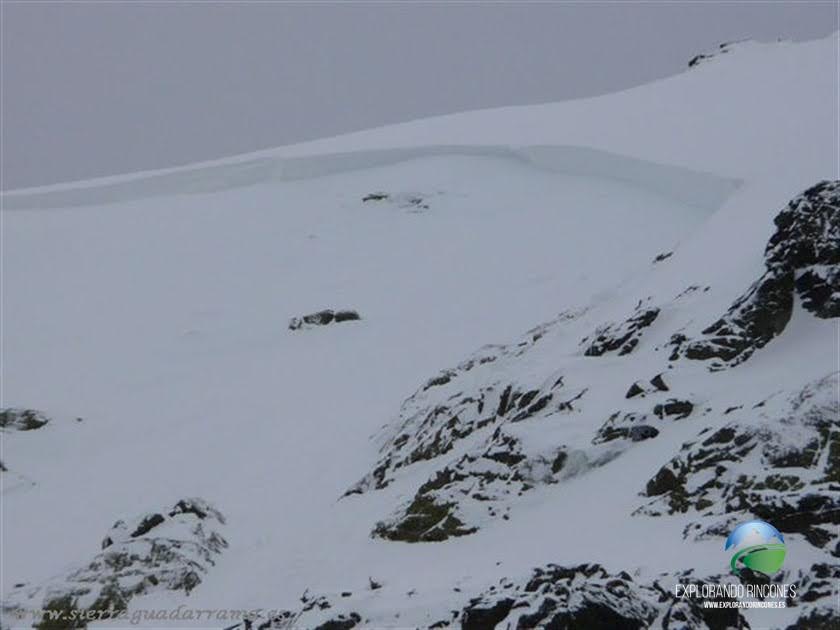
(154, 307)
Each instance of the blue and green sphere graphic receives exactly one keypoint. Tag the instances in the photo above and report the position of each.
(758, 546)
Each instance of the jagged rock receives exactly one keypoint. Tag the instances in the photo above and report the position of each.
(673, 408)
(322, 318)
(817, 587)
(424, 520)
(701, 58)
(635, 390)
(782, 467)
(472, 397)
(481, 485)
(642, 432)
(22, 419)
(802, 256)
(588, 596)
(479, 617)
(565, 597)
(624, 337)
(632, 426)
(342, 622)
(657, 384)
(167, 550)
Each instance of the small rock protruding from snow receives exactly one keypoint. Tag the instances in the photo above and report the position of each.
(414, 202)
(323, 318)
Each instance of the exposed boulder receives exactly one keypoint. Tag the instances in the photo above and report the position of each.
(12, 419)
(639, 388)
(673, 408)
(323, 318)
(817, 600)
(634, 426)
(342, 622)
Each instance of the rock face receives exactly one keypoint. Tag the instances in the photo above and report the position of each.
(622, 338)
(489, 430)
(470, 421)
(589, 596)
(551, 596)
(802, 257)
(22, 419)
(323, 318)
(564, 400)
(782, 466)
(167, 550)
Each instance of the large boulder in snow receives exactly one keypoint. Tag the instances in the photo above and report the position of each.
(12, 419)
(323, 318)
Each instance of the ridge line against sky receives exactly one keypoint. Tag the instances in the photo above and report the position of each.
(92, 90)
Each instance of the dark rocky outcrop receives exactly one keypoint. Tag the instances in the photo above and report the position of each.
(674, 409)
(589, 596)
(22, 419)
(802, 257)
(342, 622)
(624, 337)
(167, 550)
(657, 384)
(783, 467)
(633, 426)
(584, 596)
(704, 57)
(323, 318)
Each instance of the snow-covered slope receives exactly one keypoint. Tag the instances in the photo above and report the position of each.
(383, 466)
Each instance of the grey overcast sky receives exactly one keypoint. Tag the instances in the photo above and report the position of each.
(98, 88)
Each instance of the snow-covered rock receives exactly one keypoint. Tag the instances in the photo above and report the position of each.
(803, 258)
(148, 303)
(22, 419)
(168, 550)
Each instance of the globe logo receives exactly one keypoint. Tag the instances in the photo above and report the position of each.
(758, 546)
